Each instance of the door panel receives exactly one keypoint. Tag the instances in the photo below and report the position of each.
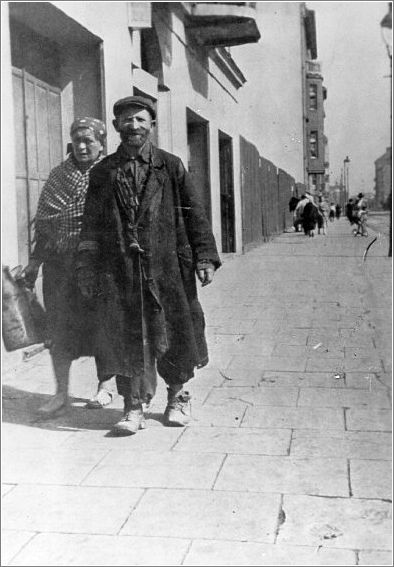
(226, 193)
(38, 147)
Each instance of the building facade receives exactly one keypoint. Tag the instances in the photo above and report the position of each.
(316, 143)
(383, 180)
(211, 70)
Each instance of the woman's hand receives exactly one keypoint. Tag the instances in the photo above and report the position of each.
(30, 273)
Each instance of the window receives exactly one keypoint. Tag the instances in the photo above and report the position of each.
(313, 145)
(312, 97)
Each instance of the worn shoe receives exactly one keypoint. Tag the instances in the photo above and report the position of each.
(55, 407)
(131, 422)
(178, 410)
(100, 400)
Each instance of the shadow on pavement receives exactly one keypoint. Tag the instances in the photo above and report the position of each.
(21, 407)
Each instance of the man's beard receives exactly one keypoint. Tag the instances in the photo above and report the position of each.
(134, 138)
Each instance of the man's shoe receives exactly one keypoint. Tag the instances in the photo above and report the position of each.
(178, 410)
(131, 422)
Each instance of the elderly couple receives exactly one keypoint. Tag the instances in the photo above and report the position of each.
(120, 240)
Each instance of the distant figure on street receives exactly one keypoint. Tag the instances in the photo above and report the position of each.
(310, 217)
(292, 207)
(145, 238)
(298, 212)
(332, 212)
(361, 221)
(323, 212)
(349, 211)
(338, 211)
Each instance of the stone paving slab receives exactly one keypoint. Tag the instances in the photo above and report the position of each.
(336, 444)
(362, 419)
(58, 550)
(336, 522)
(321, 397)
(147, 469)
(47, 508)
(5, 488)
(13, 541)
(304, 351)
(293, 336)
(229, 553)
(16, 437)
(62, 466)
(231, 415)
(365, 381)
(375, 558)
(205, 514)
(261, 396)
(231, 440)
(302, 380)
(154, 438)
(324, 477)
(294, 418)
(348, 365)
(371, 479)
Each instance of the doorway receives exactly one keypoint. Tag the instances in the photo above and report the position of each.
(227, 193)
(198, 157)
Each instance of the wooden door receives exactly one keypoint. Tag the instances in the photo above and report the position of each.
(38, 148)
(227, 193)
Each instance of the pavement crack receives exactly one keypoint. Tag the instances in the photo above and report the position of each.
(281, 518)
(349, 481)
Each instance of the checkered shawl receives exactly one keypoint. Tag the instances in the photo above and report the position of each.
(61, 204)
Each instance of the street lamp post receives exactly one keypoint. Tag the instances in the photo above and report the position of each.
(386, 29)
(346, 162)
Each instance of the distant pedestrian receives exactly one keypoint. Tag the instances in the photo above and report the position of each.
(349, 211)
(310, 217)
(338, 211)
(299, 211)
(332, 212)
(292, 208)
(323, 212)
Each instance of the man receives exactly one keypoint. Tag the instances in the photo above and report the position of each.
(349, 211)
(145, 235)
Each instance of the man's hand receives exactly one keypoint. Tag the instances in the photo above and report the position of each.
(30, 273)
(205, 275)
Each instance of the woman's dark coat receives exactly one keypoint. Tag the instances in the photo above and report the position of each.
(173, 234)
(310, 217)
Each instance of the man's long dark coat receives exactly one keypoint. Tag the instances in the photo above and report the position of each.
(172, 230)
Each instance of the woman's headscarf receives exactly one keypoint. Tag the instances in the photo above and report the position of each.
(94, 124)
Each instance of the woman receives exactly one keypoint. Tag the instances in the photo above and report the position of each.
(57, 227)
(310, 217)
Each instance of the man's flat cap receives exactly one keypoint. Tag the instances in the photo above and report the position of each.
(141, 101)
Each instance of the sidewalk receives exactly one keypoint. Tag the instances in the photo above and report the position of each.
(287, 459)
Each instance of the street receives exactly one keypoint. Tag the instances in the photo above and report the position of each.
(287, 460)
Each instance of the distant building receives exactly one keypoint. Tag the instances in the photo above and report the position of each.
(316, 155)
(383, 179)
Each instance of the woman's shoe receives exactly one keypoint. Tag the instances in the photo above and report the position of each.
(100, 400)
(56, 406)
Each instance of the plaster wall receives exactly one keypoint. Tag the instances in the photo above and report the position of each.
(271, 101)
